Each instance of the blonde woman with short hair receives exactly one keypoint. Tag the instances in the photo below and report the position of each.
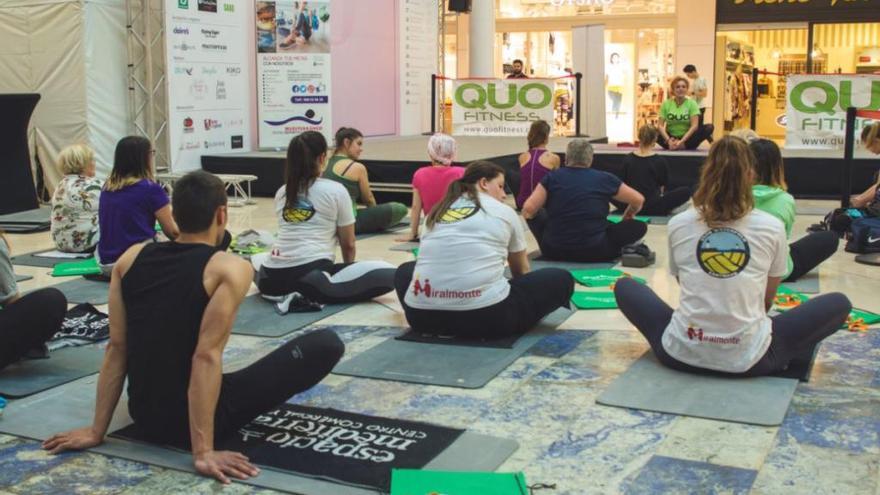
(729, 258)
(75, 202)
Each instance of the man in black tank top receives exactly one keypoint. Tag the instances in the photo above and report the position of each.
(172, 306)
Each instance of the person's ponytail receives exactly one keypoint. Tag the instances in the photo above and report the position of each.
(302, 169)
(474, 172)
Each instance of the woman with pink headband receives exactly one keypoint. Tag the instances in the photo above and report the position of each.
(430, 183)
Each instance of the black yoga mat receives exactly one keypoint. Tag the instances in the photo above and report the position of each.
(349, 448)
(426, 338)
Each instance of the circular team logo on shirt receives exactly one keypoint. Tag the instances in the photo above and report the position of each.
(302, 211)
(461, 209)
(723, 253)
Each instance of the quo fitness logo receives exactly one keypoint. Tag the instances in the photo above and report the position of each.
(812, 97)
(482, 102)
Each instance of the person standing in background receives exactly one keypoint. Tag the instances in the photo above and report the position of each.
(517, 70)
(699, 91)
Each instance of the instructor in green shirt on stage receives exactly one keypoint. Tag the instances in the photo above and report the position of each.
(680, 127)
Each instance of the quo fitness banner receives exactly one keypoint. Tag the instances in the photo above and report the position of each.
(293, 70)
(816, 107)
(500, 107)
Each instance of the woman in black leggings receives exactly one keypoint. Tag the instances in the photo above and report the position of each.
(729, 259)
(28, 321)
(457, 285)
(314, 216)
(568, 210)
(770, 196)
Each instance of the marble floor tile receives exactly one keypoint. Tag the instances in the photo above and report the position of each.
(670, 475)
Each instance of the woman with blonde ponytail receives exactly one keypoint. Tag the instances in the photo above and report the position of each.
(457, 285)
(729, 258)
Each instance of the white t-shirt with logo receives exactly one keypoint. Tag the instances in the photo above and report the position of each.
(307, 231)
(721, 323)
(461, 260)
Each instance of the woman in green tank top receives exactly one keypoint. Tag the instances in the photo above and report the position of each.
(344, 168)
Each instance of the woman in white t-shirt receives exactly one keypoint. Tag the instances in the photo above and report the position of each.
(314, 217)
(729, 258)
(457, 285)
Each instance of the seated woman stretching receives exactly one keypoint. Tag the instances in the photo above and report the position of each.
(27, 321)
(729, 259)
(131, 202)
(568, 212)
(344, 168)
(430, 183)
(535, 163)
(314, 216)
(679, 117)
(648, 173)
(770, 196)
(470, 296)
(75, 202)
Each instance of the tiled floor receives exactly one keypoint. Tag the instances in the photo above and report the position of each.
(828, 443)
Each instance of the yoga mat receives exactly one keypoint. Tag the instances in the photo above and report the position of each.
(22, 278)
(414, 482)
(257, 317)
(80, 290)
(868, 317)
(24, 228)
(814, 210)
(30, 376)
(406, 247)
(594, 300)
(293, 438)
(31, 259)
(649, 386)
(77, 268)
(440, 364)
(28, 217)
(808, 284)
(38, 418)
(426, 338)
(601, 278)
(619, 218)
(61, 255)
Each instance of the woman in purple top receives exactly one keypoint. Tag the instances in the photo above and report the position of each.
(131, 201)
(535, 163)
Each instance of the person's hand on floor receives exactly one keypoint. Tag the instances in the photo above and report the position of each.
(83, 438)
(223, 464)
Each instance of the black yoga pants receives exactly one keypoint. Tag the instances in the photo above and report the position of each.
(293, 368)
(809, 251)
(29, 322)
(608, 248)
(661, 205)
(311, 280)
(702, 133)
(532, 297)
(795, 332)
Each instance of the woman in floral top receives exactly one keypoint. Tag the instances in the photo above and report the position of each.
(75, 202)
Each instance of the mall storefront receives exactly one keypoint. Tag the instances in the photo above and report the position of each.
(778, 38)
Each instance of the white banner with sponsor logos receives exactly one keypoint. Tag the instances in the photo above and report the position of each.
(293, 70)
(816, 107)
(500, 107)
(208, 91)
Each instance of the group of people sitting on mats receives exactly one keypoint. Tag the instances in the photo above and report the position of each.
(173, 304)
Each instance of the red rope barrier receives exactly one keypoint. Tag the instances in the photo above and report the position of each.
(868, 114)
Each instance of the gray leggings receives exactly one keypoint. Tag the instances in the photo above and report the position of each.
(795, 332)
(378, 218)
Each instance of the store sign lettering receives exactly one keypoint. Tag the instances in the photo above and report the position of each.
(479, 96)
(833, 3)
(834, 99)
(581, 3)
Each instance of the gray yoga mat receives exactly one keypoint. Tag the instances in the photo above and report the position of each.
(27, 217)
(808, 284)
(22, 278)
(30, 376)
(814, 210)
(81, 290)
(23, 228)
(38, 417)
(257, 317)
(443, 364)
(649, 386)
(30, 259)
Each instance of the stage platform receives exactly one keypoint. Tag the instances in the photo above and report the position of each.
(392, 161)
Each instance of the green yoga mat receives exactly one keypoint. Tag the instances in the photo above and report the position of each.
(619, 218)
(418, 482)
(77, 268)
(601, 277)
(594, 300)
(869, 317)
(786, 291)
